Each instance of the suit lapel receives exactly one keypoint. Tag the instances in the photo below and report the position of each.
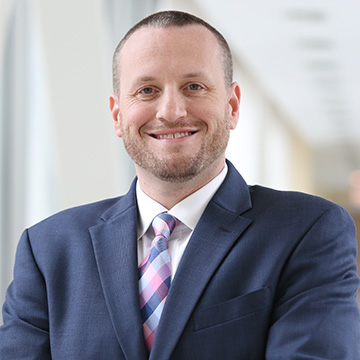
(115, 248)
(218, 229)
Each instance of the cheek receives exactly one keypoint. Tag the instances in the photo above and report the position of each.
(202, 110)
(210, 113)
(136, 116)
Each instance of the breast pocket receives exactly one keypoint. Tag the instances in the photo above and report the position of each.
(233, 309)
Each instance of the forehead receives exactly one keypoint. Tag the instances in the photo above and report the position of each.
(187, 34)
(191, 44)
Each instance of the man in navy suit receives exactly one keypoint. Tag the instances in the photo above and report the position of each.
(255, 273)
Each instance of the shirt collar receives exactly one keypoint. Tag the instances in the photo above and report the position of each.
(188, 211)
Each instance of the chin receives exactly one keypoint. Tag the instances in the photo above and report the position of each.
(175, 172)
(175, 177)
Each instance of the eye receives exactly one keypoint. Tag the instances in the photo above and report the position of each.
(146, 91)
(194, 87)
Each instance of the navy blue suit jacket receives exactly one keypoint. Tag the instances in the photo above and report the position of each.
(266, 274)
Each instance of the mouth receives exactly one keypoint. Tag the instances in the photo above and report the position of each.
(176, 135)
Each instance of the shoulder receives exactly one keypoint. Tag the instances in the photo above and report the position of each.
(259, 202)
(64, 235)
(270, 198)
(297, 207)
(75, 218)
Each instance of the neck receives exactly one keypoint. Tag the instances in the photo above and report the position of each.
(168, 193)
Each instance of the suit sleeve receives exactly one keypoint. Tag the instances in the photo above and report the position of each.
(316, 315)
(25, 333)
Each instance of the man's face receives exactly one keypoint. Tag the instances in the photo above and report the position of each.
(173, 111)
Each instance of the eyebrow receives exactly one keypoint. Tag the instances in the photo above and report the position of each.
(144, 79)
(141, 80)
(190, 75)
(194, 75)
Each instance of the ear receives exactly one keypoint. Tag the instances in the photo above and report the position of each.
(234, 103)
(115, 113)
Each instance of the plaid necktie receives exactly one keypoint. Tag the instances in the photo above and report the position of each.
(155, 276)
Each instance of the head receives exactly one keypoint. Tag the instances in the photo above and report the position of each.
(171, 18)
(174, 104)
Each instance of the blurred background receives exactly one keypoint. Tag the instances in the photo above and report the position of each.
(297, 63)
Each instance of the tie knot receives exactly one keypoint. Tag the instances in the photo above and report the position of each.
(164, 224)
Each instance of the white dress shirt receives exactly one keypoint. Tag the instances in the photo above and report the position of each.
(188, 211)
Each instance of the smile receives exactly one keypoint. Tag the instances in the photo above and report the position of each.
(173, 136)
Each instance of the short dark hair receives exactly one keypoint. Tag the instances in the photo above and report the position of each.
(164, 19)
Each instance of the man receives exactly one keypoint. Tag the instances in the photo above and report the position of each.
(255, 273)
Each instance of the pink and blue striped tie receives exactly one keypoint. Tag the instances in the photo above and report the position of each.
(155, 276)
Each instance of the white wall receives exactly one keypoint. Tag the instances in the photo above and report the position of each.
(58, 145)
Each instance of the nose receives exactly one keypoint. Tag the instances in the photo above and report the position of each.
(172, 106)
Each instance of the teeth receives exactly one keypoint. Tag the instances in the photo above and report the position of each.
(174, 136)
